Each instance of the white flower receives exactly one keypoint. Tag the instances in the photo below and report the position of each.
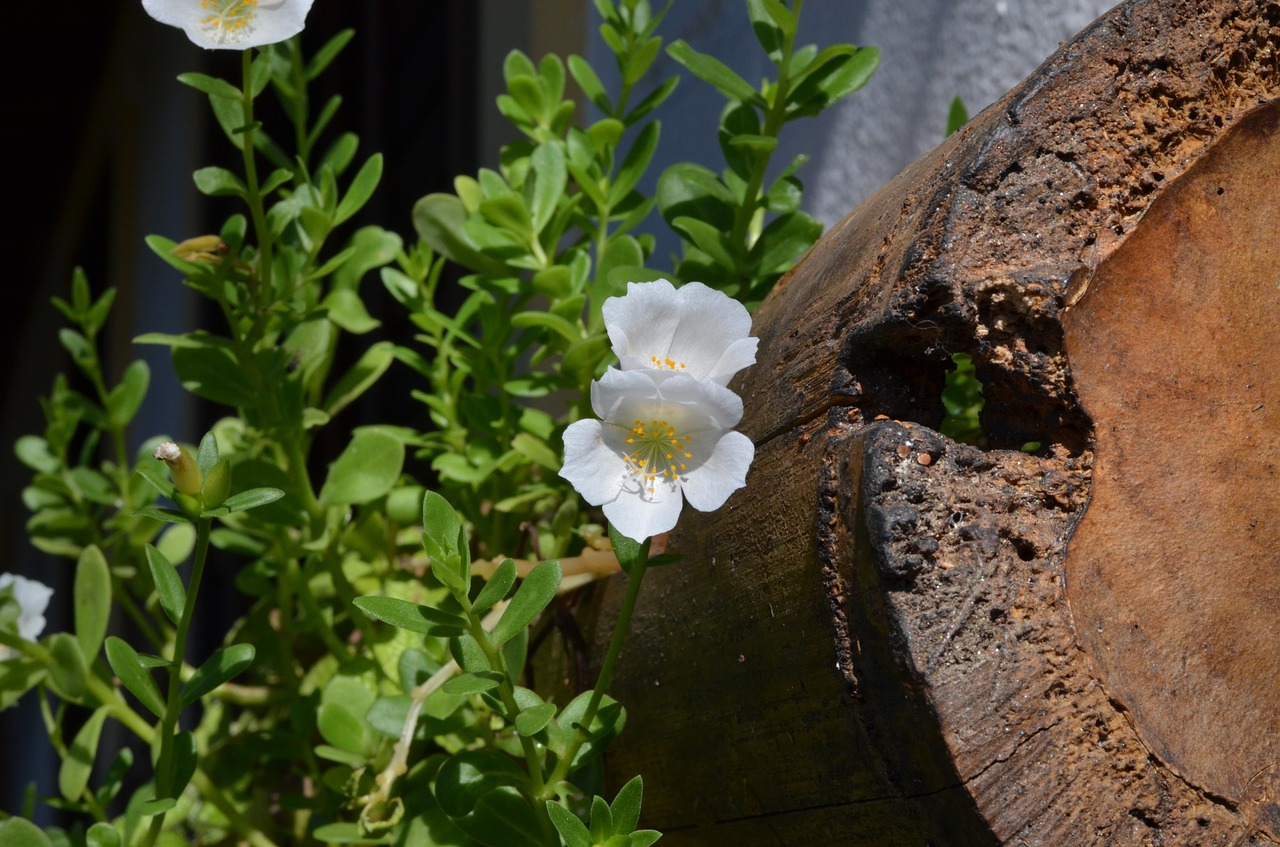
(664, 438)
(32, 598)
(232, 24)
(693, 330)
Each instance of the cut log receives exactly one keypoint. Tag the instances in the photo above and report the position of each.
(890, 638)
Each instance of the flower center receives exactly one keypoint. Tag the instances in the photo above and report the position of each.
(228, 20)
(664, 364)
(656, 451)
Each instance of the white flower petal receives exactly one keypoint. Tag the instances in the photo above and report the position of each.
(722, 473)
(590, 465)
(232, 24)
(693, 330)
(639, 515)
(32, 598)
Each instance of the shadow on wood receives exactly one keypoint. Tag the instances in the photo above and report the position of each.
(889, 638)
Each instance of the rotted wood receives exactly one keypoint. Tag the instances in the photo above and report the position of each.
(889, 638)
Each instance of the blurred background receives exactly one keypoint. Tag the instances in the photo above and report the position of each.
(100, 142)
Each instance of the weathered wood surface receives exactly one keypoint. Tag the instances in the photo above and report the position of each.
(889, 638)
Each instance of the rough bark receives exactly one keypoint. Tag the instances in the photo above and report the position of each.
(890, 638)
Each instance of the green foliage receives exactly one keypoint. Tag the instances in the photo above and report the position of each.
(371, 691)
(957, 116)
(962, 401)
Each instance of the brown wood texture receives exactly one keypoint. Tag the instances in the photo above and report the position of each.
(880, 639)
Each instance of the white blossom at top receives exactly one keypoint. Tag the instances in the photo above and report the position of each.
(232, 24)
(32, 598)
(693, 330)
(662, 440)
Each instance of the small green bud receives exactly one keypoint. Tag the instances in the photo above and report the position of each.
(217, 485)
(182, 468)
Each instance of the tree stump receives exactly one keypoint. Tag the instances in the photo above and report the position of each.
(890, 638)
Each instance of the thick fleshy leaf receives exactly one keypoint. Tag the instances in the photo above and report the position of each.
(252, 499)
(412, 616)
(500, 582)
(366, 470)
(124, 660)
(537, 590)
(68, 672)
(168, 584)
(73, 776)
(92, 600)
(223, 665)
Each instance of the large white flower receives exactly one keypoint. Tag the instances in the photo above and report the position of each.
(32, 598)
(692, 330)
(232, 24)
(662, 439)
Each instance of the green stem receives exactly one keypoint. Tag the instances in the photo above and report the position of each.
(263, 294)
(493, 654)
(582, 732)
(173, 702)
(775, 117)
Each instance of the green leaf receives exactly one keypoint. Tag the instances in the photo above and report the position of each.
(166, 515)
(635, 164)
(439, 220)
(157, 806)
(715, 72)
(219, 182)
(626, 806)
(784, 240)
(652, 100)
(68, 672)
(691, 190)
(348, 311)
(590, 83)
(831, 79)
(224, 664)
(500, 582)
(707, 238)
(767, 30)
(957, 115)
(210, 85)
(366, 469)
(549, 183)
(473, 683)
(363, 374)
(631, 553)
(546, 320)
(536, 450)
(184, 763)
(252, 499)
(33, 451)
(503, 817)
(467, 776)
(328, 53)
(442, 526)
(601, 820)
(125, 398)
(73, 776)
(102, 834)
(361, 189)
(609, 720)
(207, 453)
(133, 674)
(168, 584)
(508, 212)
(20, 832)
(531, 721)
(572, 830)
(412, 616)
(210, 370)
(537, 590)
(92, 600)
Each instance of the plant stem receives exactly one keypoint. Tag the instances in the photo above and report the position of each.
(263, 292)
(582, 731)
(173, 703)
